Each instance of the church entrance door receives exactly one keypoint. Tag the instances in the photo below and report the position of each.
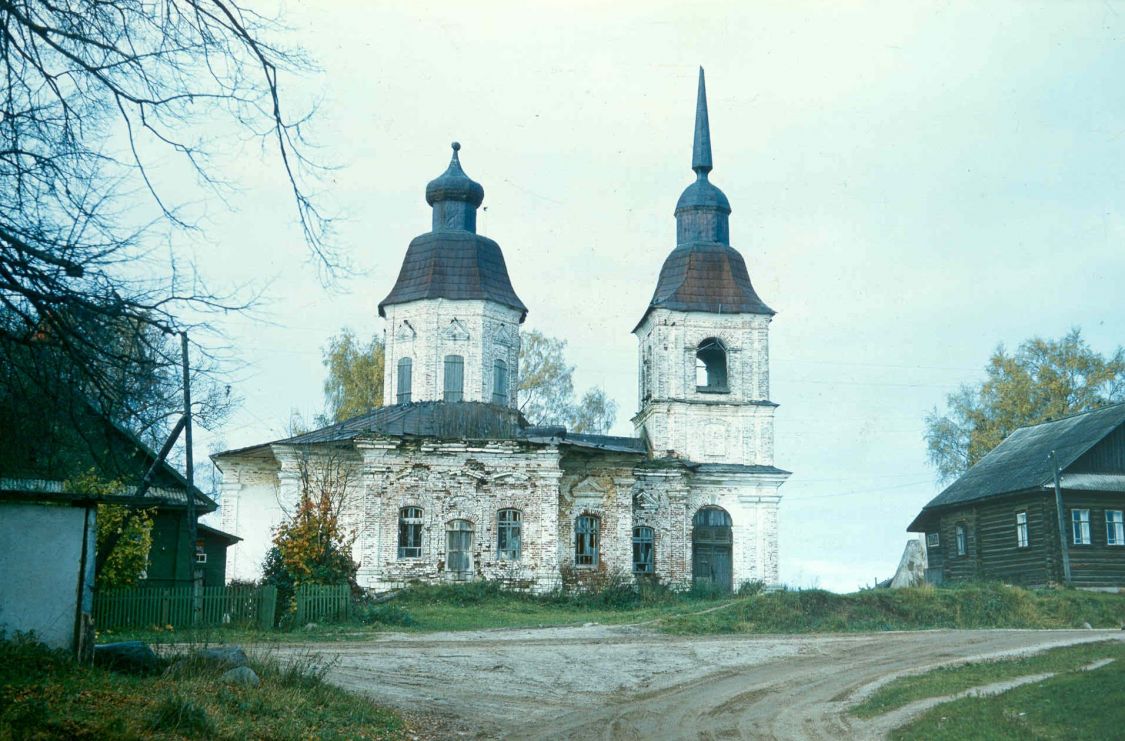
(459, 548)
(711, 541)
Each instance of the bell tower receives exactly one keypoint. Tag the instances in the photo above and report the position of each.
(704, 338)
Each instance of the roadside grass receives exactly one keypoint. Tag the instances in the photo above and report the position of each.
(953, 679)
(1075, 705)
(979, 605)
(487, 605)
(46, 695)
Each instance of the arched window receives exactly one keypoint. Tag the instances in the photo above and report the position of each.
(586, 530)
(642, 550)
(454, 378)
(500, 382)
(712, 544)
(508, 531)
(405, 369)
(459, 547)
(410, 532)
(711, 366)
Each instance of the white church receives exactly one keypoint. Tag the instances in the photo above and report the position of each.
(448, 482)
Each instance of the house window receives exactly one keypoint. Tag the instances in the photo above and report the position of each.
(454, 378)
(586, 540)
(1021, 529)
(1114, 527)
(500, 382)
(642, 550)
(1080, 524)
(405, 369)
(459, 547)
(508, 534)
(959, 532)
(933, 540)
(410, 532)
(711, 366)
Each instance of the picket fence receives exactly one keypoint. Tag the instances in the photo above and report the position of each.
(249, 607)
(148, 607)
(323, 603)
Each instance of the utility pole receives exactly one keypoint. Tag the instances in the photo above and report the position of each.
(1064, 547)
(193, 527)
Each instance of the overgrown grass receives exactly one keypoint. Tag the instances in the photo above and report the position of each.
(951, 680)
(1075, 705)
(45, 695)
(986, 605)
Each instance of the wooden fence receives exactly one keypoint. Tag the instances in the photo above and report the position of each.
(147, 607)
(323, 602)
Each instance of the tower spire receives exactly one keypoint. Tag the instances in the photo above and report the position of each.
(701, 149)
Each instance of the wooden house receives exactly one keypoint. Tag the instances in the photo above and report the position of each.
(1000, 520)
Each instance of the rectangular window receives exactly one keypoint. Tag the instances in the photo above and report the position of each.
(642, 550)
(508, 525)
(961, 540)
(1114, 527)
(586, 540)
(405, 369)
(500, 383)
(1021, 529)
(454, 378)
(1080, 521)
(933, 540)
(410, 532)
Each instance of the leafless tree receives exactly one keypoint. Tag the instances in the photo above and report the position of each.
(96, 95)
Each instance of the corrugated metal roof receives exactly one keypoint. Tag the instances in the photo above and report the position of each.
(47, 490)
(1021, 461)
(458, 265)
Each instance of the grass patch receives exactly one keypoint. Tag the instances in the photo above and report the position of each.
(1075, 705)
(45, 695)
(985, 605)
(951, 680)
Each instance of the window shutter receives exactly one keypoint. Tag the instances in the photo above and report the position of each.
(454, 378)
(405, 368)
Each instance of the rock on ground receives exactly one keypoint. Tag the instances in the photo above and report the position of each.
(131, 657)
(242, 675)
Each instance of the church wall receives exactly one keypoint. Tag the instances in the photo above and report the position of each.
(600, 485)
(451, 480)
(426, 331)
(661, 501)
(249, 508)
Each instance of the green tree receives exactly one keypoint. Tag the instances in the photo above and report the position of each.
(355, 375)
(130, 556)
(1041, 380)
(546, 389)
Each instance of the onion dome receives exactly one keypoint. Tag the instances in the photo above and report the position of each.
(704, 273)
(452, 261)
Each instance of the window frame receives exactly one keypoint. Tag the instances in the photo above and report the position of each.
(500, 389)
(1023, 530)
(405, 370)
(717, 378)
(961, 538)
(933, 540)
(1115, 527)
(587, 545)
(451, 361)
(460, 525)
(642, 538)
(1080, 526)
(506, 527)
(411, 522)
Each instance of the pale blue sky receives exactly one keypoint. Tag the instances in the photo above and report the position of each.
(912, 184)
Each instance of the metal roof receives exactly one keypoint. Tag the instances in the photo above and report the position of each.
(47, 490)
(440, 419)
(1021, 462)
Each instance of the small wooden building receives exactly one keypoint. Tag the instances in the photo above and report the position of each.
(1000, 520)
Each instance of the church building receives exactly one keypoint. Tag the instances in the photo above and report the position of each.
(448, 482)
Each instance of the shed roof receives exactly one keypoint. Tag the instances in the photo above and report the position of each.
(1020, 462)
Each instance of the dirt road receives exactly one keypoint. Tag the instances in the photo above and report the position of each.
(631, 683)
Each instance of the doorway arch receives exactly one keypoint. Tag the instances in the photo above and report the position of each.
(711, 548)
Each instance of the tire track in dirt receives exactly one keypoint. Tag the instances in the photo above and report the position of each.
(621, 682)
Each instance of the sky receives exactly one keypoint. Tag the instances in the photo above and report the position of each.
(912, 185)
